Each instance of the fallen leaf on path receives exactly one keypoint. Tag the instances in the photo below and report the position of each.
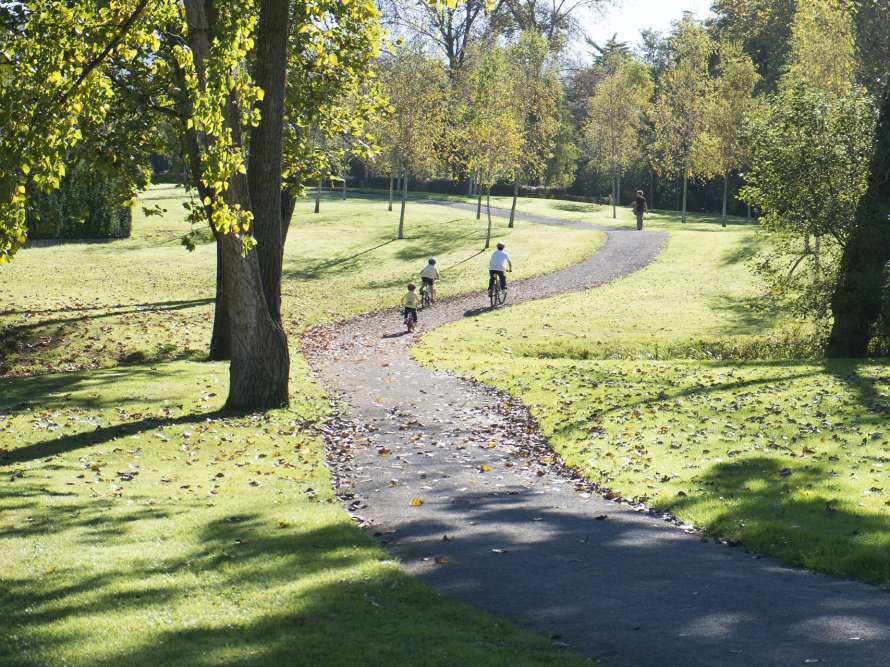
(416, 502)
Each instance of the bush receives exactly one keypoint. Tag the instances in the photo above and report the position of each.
(87, 205)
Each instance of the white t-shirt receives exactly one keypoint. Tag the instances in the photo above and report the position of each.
(499, 261)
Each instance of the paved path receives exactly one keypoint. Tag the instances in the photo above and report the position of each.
(502, 528)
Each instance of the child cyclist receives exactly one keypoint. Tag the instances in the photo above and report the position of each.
(409, 303)
(429, 275)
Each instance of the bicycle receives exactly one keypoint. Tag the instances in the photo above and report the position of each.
(497, 294)
(410, 318)
(426, 296)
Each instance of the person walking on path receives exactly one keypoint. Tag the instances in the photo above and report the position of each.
(640, 208)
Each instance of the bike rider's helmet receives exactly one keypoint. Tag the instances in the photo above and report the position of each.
(500, 246)
(432, 262)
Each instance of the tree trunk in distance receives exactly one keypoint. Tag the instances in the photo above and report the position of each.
(651, 188)
(404, 199)
(685, 187)
(513, 207)
(470, 187)
(618, 190)
(390, 191)
(749, 211)
(343, 195)
(614, 196)
(478, 203)
(318, 196)
(725, 196)
(488, 208)
(858, 293)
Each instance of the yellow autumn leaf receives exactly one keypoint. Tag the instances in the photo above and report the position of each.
(484, 468)
(416, 502)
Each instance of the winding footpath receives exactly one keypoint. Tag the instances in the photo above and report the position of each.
(502, 526)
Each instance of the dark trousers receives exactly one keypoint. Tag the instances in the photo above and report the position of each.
(412, 313)
(639, 219)
(499, 274)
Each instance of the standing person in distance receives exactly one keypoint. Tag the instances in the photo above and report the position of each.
(498, 265)
(640, 208)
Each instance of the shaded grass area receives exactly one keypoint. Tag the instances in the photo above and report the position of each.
(788, 457)
(140, 526)
(81, 306)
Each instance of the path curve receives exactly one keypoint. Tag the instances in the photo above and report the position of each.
(518, 538)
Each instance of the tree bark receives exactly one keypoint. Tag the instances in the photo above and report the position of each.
(221, 338)
(478, 202)
(857, 299)
(685, 188)
(513, 207)
(318, 196)
(404, 200)
(725, 197)
(488, 208)
(390, 191)
(259, 368)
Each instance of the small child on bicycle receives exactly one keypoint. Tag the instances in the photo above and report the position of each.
(409, 304)
(429, 275)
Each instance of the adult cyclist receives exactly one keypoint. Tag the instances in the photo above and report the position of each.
(498, 265)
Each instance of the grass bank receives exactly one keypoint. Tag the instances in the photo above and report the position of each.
(656, 387)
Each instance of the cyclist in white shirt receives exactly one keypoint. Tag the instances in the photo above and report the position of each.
(430, 274)
(497, 267)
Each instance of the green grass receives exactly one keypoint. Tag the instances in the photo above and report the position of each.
(792, 458)
(140, 526)
(81, 306)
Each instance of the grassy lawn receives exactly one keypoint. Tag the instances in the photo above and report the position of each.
(140, 526)
(651, 386)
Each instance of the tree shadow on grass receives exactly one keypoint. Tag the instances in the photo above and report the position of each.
(319, 269)
(70, 443)
(790, 512)
(298, 596)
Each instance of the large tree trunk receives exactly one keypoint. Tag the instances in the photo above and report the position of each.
(488, 208)
(221, 338)
(856, 303)
(404, 200)
(725, 197)
(513, 206)
(390, 191)
(685, 189)
(260, 364)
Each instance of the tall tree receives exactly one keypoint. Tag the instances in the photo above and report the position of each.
(732, 100)
(203, 67)
(491, 132)
(680, 110)
(417, 87)
(616, 113)
(537, 96)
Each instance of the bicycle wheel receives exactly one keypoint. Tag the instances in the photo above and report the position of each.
(493, 296)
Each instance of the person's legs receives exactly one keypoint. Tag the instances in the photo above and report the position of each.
(491, 275)
(503, 277)
(639, 220)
